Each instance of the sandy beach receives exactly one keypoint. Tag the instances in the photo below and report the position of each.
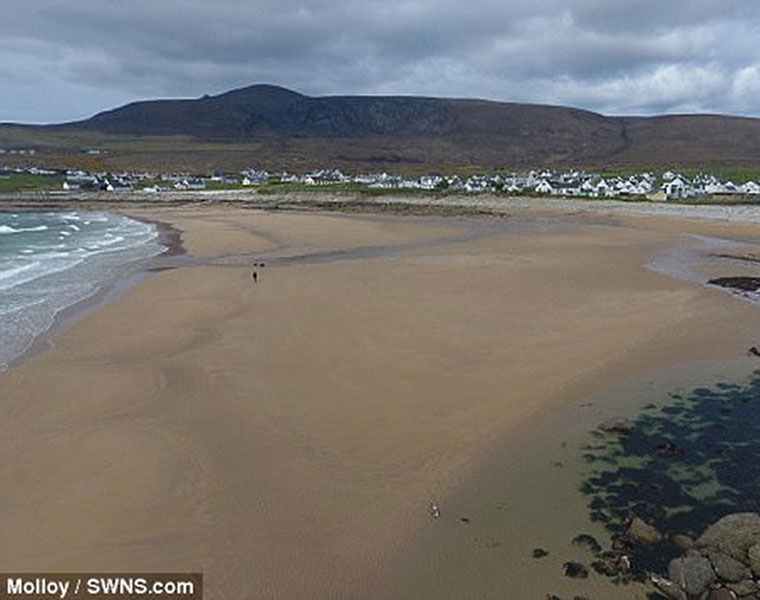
(285, 437)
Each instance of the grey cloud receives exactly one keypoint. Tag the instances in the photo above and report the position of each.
(638, 56)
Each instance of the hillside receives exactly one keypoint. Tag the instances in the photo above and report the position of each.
(276, 127)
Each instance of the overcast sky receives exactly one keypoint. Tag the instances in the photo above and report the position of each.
(67, 59)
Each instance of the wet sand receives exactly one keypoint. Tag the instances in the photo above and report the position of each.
(285, 436)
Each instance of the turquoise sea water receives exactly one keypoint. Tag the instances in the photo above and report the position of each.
(52, 260)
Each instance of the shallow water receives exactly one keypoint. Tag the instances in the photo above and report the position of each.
(546, 487)
(690, 460)
(699, 258)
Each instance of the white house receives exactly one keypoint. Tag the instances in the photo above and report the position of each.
(750, 188)
(544, 187)
(676, 188)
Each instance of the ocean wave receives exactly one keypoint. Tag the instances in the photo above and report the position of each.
(43, 273)
(9, 308)
(8, 273)
(34, 270)
(8, 229)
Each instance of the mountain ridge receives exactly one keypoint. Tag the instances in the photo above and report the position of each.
(427, 131)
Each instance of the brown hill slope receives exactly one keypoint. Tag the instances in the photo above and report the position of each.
(275, 127)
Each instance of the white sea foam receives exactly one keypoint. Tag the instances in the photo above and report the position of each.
(10, 229)
(11, 272)
(49, 261)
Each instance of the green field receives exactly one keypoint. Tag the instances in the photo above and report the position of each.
(738, 175)
(25, 181)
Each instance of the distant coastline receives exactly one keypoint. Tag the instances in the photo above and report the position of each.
(392, 203)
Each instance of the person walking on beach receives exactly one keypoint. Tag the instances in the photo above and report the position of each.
(255, 276)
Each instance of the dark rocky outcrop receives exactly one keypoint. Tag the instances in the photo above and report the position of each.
(753, 555)
(575, 570)
(618, 425)
(741, 284)
(669, 589)
(744, 588)
(587, 541)
(670, 449)
(684, 542)
(721, 565)
(729, 569)
(643, 532)
(734, 535)
(692, 572)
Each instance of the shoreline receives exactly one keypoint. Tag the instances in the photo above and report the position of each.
(133, 273)
(526, 495)
(392, 203)
(245, 394)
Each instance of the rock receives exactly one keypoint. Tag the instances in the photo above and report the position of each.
(692, 572)
(605, 567)
(734, 535)
(727, 568)
(670, 449)
(539, 553)
(668, 588)
(753, 554)
(753, 351)
(589, 541)
(611, 564)
(618, 425)
(684, 542)
(643, 532)
(743, 588)
(621, 543)
(575, 570)
(721, 594)
(741, 284)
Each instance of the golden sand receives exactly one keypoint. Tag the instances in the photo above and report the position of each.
(285, 437)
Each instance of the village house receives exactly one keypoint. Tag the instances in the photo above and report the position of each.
(570, 183)
(253, 177)
(544, 187)
(750, 188)
(192, 183)
(676, 188)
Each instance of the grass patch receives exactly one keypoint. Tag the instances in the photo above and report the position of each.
(349, 187)
(25, 181)
(220, 185)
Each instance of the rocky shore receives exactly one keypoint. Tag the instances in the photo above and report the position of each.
(739, 284)
(721, 564)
